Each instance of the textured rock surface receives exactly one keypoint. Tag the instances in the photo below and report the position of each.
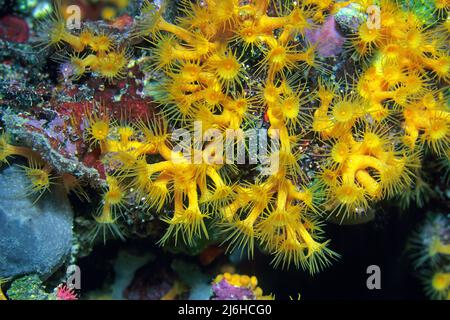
(350, 18)
(34, 238)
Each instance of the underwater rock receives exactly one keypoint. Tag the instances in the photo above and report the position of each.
(151, 282)
(350, 18)
(125, 267)
(192, 276)
(37, 237)
(15, 125)
(23, 85)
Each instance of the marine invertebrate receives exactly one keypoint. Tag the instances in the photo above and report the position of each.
(9, 150)
(365, 168)
(40, 174)
(437, 284)
(429, 247)
(87, 50)
(396, 78)
(39, 177)
(98, 128)
(399, 61)
(2, 295)
(363, 163)
(113, 202)
(157, 182)
(237, 287)
(430, 244)
(428, 121)
(226, 65)
(204, 83)
(63, 292)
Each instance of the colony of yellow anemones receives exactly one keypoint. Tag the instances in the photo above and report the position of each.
(225, 62)
(401, 90)
(207, 81)
(88, 51)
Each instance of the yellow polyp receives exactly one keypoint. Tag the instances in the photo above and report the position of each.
(349, 194)
(73, 41)
(158, 192)
(181, 33)
(254, 281)
(72, 184)
(215, 176)
(313, 246)
(106, 217)
(100, 43)
(182, 53)
(229, 211)
(125, 133)
(307, 197)
(2, 295)
(371, 186)
(245, 280)
(340, 152)
(109, 13)
(218, 278)
(343, 112)
(440, 281)
(114, 195)
(244, 236)
(90, 61)
(86, 37)
(438, 247)
(39, 178)
(227, 68)
(268, 24)
(100, 130)
(8, 150)
(112, 65)
(235, 279)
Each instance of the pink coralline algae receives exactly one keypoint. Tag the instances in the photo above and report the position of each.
(327, 38)
(56, 131)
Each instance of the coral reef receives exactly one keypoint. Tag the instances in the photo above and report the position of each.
(212, 127)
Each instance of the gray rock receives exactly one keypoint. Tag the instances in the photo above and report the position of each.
(350, 18)
(34, 237)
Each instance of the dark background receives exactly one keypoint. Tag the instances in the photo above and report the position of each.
(381, 242)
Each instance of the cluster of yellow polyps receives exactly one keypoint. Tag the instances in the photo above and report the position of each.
(410, 65)
(362, 165)
(88, 51)
(175, 178)
(203, 59)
